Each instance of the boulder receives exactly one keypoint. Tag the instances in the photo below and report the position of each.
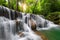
(33, 24)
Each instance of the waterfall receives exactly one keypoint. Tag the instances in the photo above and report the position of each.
(16, 25)
(42, 23)
(9, 31)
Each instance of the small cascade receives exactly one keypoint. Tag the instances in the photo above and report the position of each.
(42, 23)
(9, 30)
(19, 26)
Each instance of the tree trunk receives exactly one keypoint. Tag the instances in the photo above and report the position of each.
(16, 5)
(9, 3)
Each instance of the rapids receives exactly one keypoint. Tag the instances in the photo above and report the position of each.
(18, 26)
(8, 31)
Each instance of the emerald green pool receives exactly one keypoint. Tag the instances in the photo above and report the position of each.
(52, 34)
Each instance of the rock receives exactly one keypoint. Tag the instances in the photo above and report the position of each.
(21, 34)
(19, 25)
(41, 35)
(33, 24)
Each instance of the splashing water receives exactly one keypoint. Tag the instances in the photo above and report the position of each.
(20, 28)
(10, 34)
(45, 24)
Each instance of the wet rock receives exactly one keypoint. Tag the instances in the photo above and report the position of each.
(19, 25)
(21, 34)
(33, 24)
(8, 13)
(41, 35)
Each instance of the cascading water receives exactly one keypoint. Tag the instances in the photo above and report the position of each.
(10, 31)
(41, 23)
(20, 28)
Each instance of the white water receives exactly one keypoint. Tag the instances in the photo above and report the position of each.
(23, 30)
(46, 24)
(9, 28)
(42, 24)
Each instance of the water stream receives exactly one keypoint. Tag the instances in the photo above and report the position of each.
(18, 26)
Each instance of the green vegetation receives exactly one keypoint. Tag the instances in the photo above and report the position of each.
(54, 16)
(49, 8)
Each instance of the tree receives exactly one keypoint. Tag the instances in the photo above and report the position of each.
(17, 5)
(9, 3)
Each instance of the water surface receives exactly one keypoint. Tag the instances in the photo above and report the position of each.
(52, 34)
